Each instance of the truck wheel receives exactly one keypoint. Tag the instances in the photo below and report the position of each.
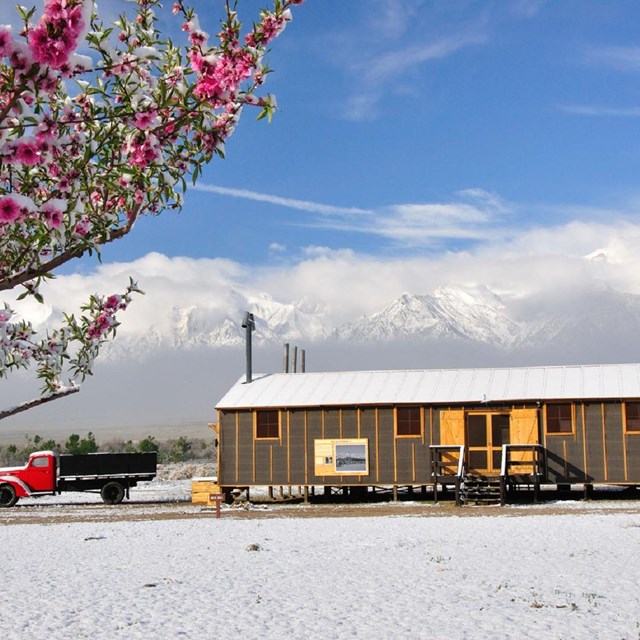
(112, 493)
(8, 495)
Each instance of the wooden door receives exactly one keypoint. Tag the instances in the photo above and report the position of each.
(486, 433)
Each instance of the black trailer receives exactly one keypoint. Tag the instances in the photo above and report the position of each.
(112, 474)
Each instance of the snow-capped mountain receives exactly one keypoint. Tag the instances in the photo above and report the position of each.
(468, 315)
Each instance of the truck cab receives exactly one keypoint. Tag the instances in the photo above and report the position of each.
(37, 476)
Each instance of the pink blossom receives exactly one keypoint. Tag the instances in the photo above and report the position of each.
(112, 302)
(9, 210)
(5, 40)
(83, 226)
(144, 119)
(27, 152)
(55, 37)
(53, 212)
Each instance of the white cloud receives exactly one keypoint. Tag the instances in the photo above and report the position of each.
(527, 8)
(620, 58)
(600, 111)
(472, 215)
(277, 248)
(291, 203)
(387, 46)
(546, 263)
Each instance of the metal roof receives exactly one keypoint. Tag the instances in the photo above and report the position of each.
(436, 386)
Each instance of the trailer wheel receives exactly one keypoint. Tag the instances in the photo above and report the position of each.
(112, 493)
(8, 495)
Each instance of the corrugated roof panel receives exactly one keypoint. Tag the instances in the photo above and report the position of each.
(497, 385)
(450, 386)
(517, 383)
(629, 381)
(469, 383)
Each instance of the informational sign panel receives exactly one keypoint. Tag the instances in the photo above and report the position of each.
(342, 457)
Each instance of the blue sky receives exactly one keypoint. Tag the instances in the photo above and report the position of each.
(419, 127)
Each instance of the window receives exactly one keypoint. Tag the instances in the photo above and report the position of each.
(268, 424)
(40, 462)
(559, 418)
(408, 421)
(632, 416)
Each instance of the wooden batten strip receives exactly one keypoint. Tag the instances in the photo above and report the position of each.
(306, 448)
(288, 414)
(430, 425)
(604, 443)
(624, 440)
(584, 442)
(395, 456)
(254, 459)
(271, 464)
(377, 445)
(237, 447)
(564, 457)
(413, 461)
(219, 447)
(358, 432)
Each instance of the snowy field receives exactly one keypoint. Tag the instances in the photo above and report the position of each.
(575, 574)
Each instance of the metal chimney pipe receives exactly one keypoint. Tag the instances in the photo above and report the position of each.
(302, 361)
(285, 359)
(295, 359)
(248, 324)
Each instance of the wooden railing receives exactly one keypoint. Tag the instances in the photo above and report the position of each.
(522, 464)
(522, 460)
(447, 460)
(447, 468)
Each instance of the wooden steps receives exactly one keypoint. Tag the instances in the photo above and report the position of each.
(476, 489)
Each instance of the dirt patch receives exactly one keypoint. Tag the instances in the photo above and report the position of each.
(141, 511)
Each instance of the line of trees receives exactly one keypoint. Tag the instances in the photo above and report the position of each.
(181, 449)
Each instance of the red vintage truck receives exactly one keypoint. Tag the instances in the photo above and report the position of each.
(46, 473)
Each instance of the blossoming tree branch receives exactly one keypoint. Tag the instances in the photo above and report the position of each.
(100, 125)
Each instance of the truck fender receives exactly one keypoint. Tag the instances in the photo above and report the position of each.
(22, 490)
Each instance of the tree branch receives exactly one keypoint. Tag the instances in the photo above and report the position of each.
(65, 256)
(25, 406)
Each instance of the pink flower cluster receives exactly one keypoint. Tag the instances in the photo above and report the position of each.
(268, 28)
(55, 38)
(143, 149)
(220, 76)
(14, 207)
(106, 319)
(29, 150)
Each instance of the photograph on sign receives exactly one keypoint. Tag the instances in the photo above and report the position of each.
(345, 456)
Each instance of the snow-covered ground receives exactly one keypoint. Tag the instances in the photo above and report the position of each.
(571, 575)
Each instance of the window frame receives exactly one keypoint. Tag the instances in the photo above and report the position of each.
(256, 425)
(627, 429)
(420, 421)
(549, 432)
